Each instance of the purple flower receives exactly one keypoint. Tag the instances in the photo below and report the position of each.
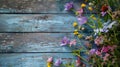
(69, 6)
(58, 62)
(103, 13)
(82, 20)
(65, 41)
(92, 51)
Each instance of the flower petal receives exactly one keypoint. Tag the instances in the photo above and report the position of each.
(82, 20)
(58, 62)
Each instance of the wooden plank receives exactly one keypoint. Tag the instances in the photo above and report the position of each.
(32, 59)
(33, 42)
(33, 6)
(36, 23)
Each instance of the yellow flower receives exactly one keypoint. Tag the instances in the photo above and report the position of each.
(83, 5)
(93, 17)
(90, 8)
(49, 64)
(76, 32)
(80, 35)
(75, 24)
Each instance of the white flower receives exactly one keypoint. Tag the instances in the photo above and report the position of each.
(105, 28)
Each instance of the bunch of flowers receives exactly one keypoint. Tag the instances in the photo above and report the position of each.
(98, 27)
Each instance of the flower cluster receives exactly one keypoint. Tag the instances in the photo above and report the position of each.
(102, 20)
(96, 31)
(66, 41)
(58, 62)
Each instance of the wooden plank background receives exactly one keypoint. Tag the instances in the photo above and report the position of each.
(31, 32)
(34, 6)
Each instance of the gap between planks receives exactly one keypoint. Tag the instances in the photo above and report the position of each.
(30, 52)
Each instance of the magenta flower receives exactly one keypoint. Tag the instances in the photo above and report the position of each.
(73, 42)
(112, 47)
(105, 49)
(50, 59)
(82, 20)
(58, 62)
(68, 6)
(65, 41)
(108, 48)
(92, 51)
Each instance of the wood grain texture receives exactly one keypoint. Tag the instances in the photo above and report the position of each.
(49, 22)
(34, 6)
(33, 42)
(36, 23)
(32, 59)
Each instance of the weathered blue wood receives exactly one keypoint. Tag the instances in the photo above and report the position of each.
(33, 6)
(33, 42)
(36, 23)
(32, 59)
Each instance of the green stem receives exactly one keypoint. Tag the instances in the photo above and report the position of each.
(115, 37)
(82, 58)
(110, 14)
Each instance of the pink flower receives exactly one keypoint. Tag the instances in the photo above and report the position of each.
(80, 12)
(98, 53)
(50, 59)
(78, 62)
(105, 58)
(106, 55)
(73, 42)
(98, 40)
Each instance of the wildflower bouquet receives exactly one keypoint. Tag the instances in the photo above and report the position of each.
(97, 33)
